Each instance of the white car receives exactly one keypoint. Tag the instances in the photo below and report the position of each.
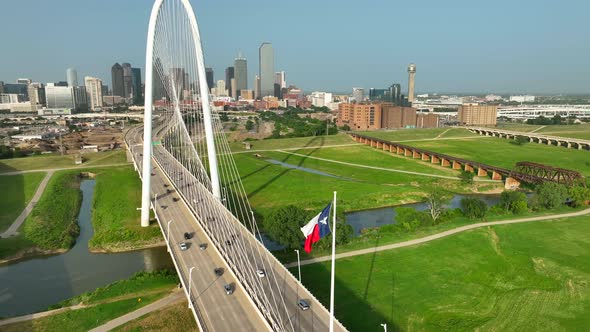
(183, 246)
(261, 273)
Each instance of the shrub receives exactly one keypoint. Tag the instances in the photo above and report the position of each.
(467, 177)
(579, 195)
(513, 201)
(550, 195)
(474, 208)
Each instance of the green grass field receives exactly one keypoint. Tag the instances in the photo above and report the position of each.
(115, 218)
(17, 191)
(282, 143)
(106, 303)
(419, 134)
(174, 318)
(502, 153)
(520, 277)
(51, 161)
(52, 223)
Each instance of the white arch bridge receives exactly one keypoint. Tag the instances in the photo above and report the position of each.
(191, 183)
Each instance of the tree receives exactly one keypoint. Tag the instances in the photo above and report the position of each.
(579, 195)
(520, 140)
(550, 194)
(223, 117)
(474, 208)
(283, 225)
(467, 177)
(436, 203)
(513, 201)
(345, 127)
(249, 125)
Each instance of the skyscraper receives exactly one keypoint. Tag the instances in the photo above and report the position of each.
(411, 75)
(395, 91)
(257, 87)
(127, 80)
(266, 60)
(72, 77)
(358, 94)
(229, 74)
(280, 79)
(136, 85)
(117, 77)
(209, 75)
(240, 74)
(94, 90)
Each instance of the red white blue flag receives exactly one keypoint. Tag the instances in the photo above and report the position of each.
(316, 228)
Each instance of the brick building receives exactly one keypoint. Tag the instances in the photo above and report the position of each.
(359, 116)
(474, 114)
(397, 116)
(426, 120)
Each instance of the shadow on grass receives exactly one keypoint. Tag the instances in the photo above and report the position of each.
(282, 173)
(350, 307)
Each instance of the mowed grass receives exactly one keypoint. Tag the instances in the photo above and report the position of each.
(520, 277)
(502, 153)
(419, 134)
(15, 193)
(52, 161)
(282, 143)
(173, 318)
(115, 217)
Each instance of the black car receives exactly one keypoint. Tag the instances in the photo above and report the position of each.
(175, 199)
(218, 271)
(187, 236)
(228, 289)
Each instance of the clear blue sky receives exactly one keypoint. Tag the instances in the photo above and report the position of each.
(465, 46)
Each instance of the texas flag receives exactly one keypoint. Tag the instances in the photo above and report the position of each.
(316, 228)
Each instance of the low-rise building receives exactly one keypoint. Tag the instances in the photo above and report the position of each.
(474, 114)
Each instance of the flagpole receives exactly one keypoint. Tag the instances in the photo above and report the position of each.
(333, 266)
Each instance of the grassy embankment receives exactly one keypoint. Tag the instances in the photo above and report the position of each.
(521, 277)
(401, 135)
(104, 304)
(51, 226)
(176, 317)
(52, 161)
(17, 191)
(115, 217)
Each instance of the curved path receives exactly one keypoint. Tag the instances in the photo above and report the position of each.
(12, 230)
(437, 236)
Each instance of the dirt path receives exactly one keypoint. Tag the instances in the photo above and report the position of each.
(437, 236)
(13, 229)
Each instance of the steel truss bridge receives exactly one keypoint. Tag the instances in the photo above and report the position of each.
(191, 183)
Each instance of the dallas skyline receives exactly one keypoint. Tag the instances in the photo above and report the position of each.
(461, 47)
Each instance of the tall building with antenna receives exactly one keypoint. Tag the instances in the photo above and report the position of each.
(411, 76)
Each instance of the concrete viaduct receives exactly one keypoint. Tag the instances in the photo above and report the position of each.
(496, 173)
(570, 143)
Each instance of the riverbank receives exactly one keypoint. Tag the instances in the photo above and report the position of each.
(92, 309)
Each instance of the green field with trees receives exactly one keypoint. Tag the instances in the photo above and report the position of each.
(520, 277)
(17, 191)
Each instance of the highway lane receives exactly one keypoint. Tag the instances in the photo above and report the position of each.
(219, 311)
(251, 256)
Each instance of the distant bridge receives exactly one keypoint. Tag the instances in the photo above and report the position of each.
(570, 143)
(523, 171)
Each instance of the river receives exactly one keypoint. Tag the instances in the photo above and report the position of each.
(32, 285)
(386, 215)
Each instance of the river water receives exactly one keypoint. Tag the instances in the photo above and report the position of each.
(386, 215)
(32, 285)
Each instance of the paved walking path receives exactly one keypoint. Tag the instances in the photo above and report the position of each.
(13, 229)
(299, 148)
(537, 129)
(437, 236)
(161, 303)
(38, 315)
(83, 166)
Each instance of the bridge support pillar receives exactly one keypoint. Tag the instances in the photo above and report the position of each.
(511, 183)
(379, 145)
(580, 146)
(392, 149)
(385, 147)
(497, 176)
(456, 165)
(468, 168)
(425, 157)
(415, 154)
(435, 160)
(407, 152)
(569, 145)
(549, 142)
(558, 143)
(400, 150)
(482, 172)
(531, 140)
(445, 163)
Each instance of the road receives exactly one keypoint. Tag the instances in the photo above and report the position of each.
(277, 290)
(437, 236)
